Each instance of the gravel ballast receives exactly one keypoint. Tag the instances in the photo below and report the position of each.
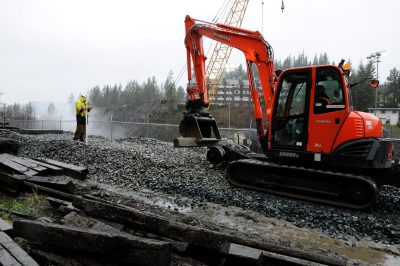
(141, 163)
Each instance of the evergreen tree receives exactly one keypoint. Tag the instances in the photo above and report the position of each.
(363, 94)
(51, 109)
(393, 89)
(170, 92)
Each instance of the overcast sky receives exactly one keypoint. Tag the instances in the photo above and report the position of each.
(52, 48)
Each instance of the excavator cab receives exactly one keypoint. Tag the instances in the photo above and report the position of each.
(310, 107)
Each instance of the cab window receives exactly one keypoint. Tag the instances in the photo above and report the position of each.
(288, 127)
(328, 95)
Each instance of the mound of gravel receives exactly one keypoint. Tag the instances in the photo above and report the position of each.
(142, 163)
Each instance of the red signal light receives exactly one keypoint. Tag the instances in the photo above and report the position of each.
(374, 83)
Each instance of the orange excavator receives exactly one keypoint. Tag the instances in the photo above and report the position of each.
(315, 146)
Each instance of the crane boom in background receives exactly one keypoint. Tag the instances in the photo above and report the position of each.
(221, 52)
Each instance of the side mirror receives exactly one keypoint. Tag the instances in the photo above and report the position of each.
(374, 83)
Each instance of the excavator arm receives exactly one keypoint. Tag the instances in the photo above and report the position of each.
(256, 51)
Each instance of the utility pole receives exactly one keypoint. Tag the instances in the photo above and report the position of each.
(262, 16)
(376, 58)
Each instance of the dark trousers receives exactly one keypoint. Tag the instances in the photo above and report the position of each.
(80, 131)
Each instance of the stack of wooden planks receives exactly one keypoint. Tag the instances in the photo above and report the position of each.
(16, 171)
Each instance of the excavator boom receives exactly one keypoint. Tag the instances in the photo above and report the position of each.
(257, 52)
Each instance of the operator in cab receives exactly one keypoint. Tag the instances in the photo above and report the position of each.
(81, 108)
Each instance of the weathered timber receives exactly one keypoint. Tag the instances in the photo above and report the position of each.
(49, 191)
(5, 226)
(45, 257)
(9, 183)
(71, 170)
(54, 170)
(123, 248)
(19, 214)
(270, 258)
(8, 163)
(74, 219)
(240, 255)
(195, 235)
(62, 206)
(6, 259)
(61, 183)
(20, 256)
(243, 255)
(14, 183)
(50, 258)
(9, 146)
(27, 163)
(38, 131)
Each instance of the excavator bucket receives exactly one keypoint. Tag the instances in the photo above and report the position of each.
(197, 131)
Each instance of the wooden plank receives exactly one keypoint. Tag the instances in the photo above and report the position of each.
(123, 248)
(62, 205)
(27, 163)
(50, 258)
(13, 166)
(212, 239)
(270, 258)
(49, 191)
(244, 252)
(19, 214)
(71, 170)
(38, 131)
(5, 226)
(74, 219)
(6, 259)
(52, 169)
(16, 251)
(61, 183)
(8, 183)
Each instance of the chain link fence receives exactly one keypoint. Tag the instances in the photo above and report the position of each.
(165, 132)
(116, 130)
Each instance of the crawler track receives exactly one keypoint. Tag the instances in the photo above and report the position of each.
(338, 189)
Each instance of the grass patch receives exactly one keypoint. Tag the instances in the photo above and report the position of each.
(393, 130)
(25, 205)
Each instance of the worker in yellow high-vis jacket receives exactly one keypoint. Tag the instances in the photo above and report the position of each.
(81, 109)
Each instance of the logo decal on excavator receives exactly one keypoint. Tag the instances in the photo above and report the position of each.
(369, 124)
(288, 154)
(223, 37)
(321, 121)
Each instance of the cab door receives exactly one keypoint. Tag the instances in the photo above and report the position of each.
(328, 108)
(289, 126)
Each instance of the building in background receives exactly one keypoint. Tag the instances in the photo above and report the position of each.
(389, 116)
(234, 91)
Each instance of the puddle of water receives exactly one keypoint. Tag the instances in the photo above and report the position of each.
(391, 261)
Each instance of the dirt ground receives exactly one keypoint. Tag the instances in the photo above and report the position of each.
(358, 252)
